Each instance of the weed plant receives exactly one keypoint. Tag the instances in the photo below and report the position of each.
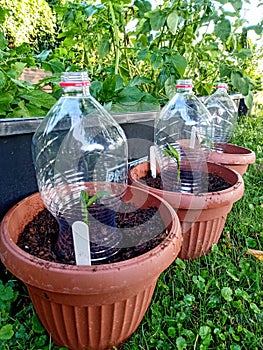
(215, 302)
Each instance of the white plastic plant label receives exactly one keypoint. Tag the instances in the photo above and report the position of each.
(153, 161)
(80, 231)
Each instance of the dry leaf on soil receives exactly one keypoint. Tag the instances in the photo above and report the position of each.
(257, 253)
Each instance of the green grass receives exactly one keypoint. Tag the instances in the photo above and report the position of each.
(215, 302)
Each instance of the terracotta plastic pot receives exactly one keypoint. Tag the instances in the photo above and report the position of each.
(202, 216)
(235, 157)
(89, 307)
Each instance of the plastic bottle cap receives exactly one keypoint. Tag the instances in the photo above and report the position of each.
(76, 84)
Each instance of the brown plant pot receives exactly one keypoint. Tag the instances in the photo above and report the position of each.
(235, 157)
(202, 216)
(89, 307)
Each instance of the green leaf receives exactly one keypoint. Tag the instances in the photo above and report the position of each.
(21, 111)
(156, 61)
(111, 85)
(142, 54)
(19, 83)
(240, 83)
(91, 10)
(55, 66)
(6, 99)
(95, 88)
(244, 53)
(180, 64)
(226, 293)
(6, 332)
(69, 42)
(3, 41)
(170, 88)
(143, 6)
(137, 81)
(2, 80)
(172, 21)
(181, 343)
(97, 196)
(204, 331)
(223, 29)
(130, 94)
(157, 19)
(39, 98)
(150, 102)
(143, 27)
(104, 47)
(224, 71)
(7, 293)
(172, 332)
(172, 152)
(37, 325)
(35, 111)
(43, 55)
(18, 68)
(258, 29)
(237, 4)
(249, 98)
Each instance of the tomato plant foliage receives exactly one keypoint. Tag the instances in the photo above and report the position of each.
(134, 53)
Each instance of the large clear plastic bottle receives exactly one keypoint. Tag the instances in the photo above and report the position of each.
(184, 125)
(79, 147)
(224, 116)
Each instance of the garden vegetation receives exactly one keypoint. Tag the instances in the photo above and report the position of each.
(133, 52)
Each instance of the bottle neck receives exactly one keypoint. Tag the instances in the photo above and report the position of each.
(222, 87)
(185, 85)
(75, 83)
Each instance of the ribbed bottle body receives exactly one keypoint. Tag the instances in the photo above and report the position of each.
(77, 144)
(184, 123)
(224, 116)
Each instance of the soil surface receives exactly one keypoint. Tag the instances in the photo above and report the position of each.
(212, 182)
(40, 236)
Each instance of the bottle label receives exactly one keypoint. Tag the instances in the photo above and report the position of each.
(185, 86)
(117, 174)
(74, 83)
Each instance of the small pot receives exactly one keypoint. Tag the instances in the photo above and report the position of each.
(89, 307)
(202, 216)
(235, 157)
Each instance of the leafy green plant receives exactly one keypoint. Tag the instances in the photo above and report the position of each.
(171, 151)
(136, 53)
(28, 21)
(18, 98)
(87, 201)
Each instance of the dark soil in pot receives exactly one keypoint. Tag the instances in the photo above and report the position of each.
(211, 182)
(40, 235)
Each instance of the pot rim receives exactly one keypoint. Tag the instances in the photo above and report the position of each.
(235, 155)
(204, 200)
